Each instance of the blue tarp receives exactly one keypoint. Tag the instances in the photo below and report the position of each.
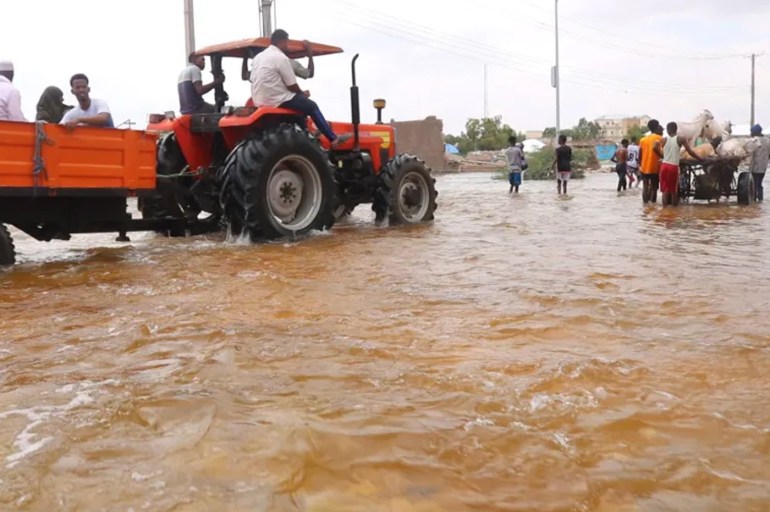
(452, 150)
(605, 151)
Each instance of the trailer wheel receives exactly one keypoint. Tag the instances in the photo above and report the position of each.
(278, 184)
(165, 202)
(406, 193)
(746, 192)
(7, 249)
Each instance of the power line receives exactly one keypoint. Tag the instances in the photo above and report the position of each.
(504, 64)
(474, 50)
(496, 52)
(624, 37)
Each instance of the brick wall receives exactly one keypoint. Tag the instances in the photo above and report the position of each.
(424, 139)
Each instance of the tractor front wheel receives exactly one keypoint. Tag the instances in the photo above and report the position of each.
(407, 192)
(7, 250)
(278, 184)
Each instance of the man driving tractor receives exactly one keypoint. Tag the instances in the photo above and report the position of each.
(274, 84)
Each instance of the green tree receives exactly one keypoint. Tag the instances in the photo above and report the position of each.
(586, 130)
(486, 134)
(451, 139)
(549, 132)
(635, 132)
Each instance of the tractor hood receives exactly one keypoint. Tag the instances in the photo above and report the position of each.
(247, 48)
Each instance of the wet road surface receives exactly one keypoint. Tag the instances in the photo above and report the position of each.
(520, 353)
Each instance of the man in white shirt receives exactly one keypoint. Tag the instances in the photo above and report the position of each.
(273, 84)
(10, 98)
(88, 112)
(301, 71)
(633, 162)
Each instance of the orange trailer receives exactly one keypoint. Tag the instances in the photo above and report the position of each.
(55, 182)
(48, 160)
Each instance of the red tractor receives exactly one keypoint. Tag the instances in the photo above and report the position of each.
(262, 172)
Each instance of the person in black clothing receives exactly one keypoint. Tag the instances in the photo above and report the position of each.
(563, 164)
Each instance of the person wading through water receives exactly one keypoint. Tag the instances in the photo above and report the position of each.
(649, 162)
(563, 164)
(633, 163)
(669, 168)
(515, 156)
(621, 160)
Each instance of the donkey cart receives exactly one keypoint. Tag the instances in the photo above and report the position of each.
(714, 178)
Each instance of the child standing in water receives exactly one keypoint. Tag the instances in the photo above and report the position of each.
(515, 156)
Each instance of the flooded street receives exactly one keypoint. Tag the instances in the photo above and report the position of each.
(520, 353)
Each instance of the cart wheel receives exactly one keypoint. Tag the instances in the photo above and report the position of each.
(746, 193)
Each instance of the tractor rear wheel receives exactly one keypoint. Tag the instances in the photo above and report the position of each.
(746, 192)
(407, 192)
(7, 250)
(166, 202)
(278, 184)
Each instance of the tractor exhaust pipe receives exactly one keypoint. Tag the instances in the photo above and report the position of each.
(355, 106)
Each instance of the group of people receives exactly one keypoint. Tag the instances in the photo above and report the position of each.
(273, 78)
(51, 107)
(655, 162)
(652, 161)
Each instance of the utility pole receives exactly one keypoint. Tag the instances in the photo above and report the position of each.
(265, 15)
(753, 85)
(486, 96)
(555, 78)
(189, 28)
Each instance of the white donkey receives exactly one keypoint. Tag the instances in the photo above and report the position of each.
(696, 128)
(714, 129)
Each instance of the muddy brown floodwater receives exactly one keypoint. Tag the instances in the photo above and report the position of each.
(525, 353)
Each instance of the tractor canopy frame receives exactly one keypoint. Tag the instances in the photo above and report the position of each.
(248, 49)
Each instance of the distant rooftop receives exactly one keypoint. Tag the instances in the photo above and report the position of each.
(620, 116)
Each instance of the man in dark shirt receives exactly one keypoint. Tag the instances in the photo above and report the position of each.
(563, 164)
(191, 89)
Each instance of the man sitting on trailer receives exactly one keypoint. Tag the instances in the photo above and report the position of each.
(10, 98)
(273, 84)
(88, 112)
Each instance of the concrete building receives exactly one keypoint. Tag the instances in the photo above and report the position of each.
(534, 134)
(615, 127)
(424, 139)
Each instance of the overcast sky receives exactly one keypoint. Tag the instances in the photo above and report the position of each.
(426, 57)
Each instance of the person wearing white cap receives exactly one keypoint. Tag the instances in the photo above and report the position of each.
(10, 98)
